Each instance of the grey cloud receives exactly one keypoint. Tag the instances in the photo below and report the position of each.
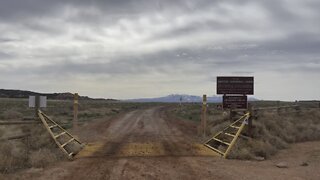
(300, 43)
(293, 49)
(13, 9)
(5, 55)
(8, 40)
(17, 8)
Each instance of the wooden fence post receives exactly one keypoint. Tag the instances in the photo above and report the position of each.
(297, 107)
(250, 109)
(75, 111)
(232, 112)
(180, 104)
(278, 107)
(204, 115)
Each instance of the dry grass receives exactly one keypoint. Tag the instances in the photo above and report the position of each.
(12, 156)
(11, 114)
(43, 157)
(21, 153)
(273, 132)
(40, 150)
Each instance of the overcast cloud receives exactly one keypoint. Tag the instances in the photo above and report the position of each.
(148, 48)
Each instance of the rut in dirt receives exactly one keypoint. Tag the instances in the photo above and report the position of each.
(150, 127)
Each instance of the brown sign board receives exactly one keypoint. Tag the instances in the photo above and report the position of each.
(235, 102)
(235, 85)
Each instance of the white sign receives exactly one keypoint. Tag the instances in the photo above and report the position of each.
(32, 101)
(42, 103)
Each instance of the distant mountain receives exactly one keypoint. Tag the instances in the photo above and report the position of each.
(9, 93)
(175, 98)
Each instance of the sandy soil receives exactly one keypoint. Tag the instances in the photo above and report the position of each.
(145, 144)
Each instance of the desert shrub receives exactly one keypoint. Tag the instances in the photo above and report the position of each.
(11, 114)
(219, 127)
(19, 154)
(272, 132)
(40, 138)
(241, 151)
(261, 148)
(13, 156)
(42, 157)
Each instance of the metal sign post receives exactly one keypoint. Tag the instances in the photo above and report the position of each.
(37, 105)
(75, 111)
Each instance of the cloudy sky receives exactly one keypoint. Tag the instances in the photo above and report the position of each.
(149, 48)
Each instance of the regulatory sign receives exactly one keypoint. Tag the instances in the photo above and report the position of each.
(236, 102)
(42, 101)
(235, 85)
(32, 101)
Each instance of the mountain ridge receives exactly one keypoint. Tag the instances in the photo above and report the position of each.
(172, 98)
(13, 93)
(175, 98)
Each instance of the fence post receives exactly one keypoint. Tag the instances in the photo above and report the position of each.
(180, 104)
(250, 109)
(232, 112)
(278, 107)
(75, 111)
(204, 114)
(297, 107)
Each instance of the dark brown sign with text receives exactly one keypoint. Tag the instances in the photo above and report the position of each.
(235, 102)
(235, 85)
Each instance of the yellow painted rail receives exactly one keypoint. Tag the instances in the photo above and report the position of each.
(223, 141)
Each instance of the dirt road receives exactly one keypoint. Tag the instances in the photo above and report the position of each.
(145, 144)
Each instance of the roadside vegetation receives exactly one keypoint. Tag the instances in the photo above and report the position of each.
(272, 130)
(38, 149)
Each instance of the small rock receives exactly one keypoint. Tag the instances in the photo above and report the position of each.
(304, 164)
(259, 158)
(282, 165)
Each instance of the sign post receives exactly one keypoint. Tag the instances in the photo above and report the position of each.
(75, 111)
(235, 90)
(204, 114)
(37, 105)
